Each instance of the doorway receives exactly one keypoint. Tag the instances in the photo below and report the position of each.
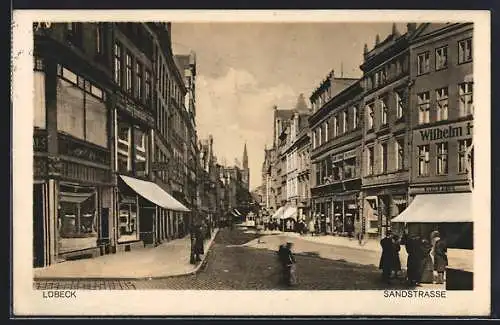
(38, 226)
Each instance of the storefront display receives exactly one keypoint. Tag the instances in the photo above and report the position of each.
(128, 219)
(77, 218)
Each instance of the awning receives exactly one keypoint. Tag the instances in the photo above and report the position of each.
(438, 208)
(278, 213)
(152, 192)
(237, 212)
(74, 197)
(290, 212)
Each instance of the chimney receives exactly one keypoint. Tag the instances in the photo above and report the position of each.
(410, 27)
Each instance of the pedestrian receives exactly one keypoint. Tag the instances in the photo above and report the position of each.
(412, 264)
(387, 257)
(440, 259)
(311, 227)
(198, 243)
(287, 260)
(426, 265)
(358, 231)
(396, 261)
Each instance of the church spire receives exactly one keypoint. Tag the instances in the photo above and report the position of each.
(245, 157)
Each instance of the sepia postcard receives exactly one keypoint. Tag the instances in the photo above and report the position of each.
(252, 163)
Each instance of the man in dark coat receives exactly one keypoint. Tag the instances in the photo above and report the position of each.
(387, 259)
(287, 261)
(198, 243)
(413, 262)
(396, 262)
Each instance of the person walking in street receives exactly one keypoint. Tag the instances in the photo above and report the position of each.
(412, 264)
(396, 261)
(198, 243)
(358, 231)
(426, 265)
(387, 258)
(440, 258)
(311, 227)
(288, 264)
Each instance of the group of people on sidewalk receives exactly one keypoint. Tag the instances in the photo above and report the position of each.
(427, 259)
(199, 232)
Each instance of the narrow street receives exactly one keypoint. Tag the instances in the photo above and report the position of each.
(232, 264)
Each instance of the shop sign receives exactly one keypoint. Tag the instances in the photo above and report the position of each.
(455, 130)
(350, 154)
(439, 189)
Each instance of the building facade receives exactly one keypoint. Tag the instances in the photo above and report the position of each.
(336, 153)
(94, 140)
(386, 167)
(441, 67)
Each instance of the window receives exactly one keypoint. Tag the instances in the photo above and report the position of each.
(355, 120)
(128, 73)
(465, 51)
(423, 107)
(336, 126)
(441, 58)
(345, 122)
(423, 63)
(147, 92)
(399, 105)
(138, 80)
(463, 146)
(81, 110)
(442, 104)
(39, 97)
(442, 158)
(370, 160)
(326, 131)
(384, 110)
(118, 62)
(466, 106)
(314, 139)
(320, 138)
(370, 115)
(124, 147)
(400, 155)
(383, 156)
(99, 44)
(141, 152)
(423, 160)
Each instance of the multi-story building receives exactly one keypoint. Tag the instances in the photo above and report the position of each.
(96, 119)
(336, 154)
(441, 70)
(385, 172)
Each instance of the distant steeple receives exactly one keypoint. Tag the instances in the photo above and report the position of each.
(245, 157)
(301, 103)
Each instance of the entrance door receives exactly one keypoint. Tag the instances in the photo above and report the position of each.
(146, 224)
(38, 227)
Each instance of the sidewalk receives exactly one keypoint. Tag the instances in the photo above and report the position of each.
(166, 260)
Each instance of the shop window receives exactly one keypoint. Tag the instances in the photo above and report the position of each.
(441, 58)
(423, 102)
(442, 158)
(39, 97)
(423, 160)
(423, 63)
(465, 51)
(77, 218)
(128, 220)
(466, 106)
(442, 104)
(463, 146)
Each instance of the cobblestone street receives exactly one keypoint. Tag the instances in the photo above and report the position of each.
(232, 266)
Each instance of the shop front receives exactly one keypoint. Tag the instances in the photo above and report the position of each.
(345, 213)
(380, 206)
(146, 212)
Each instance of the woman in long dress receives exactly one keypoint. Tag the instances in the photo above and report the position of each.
(427, 267)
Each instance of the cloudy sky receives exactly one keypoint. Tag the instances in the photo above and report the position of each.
(246, 68)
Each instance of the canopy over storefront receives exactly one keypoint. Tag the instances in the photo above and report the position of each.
(278, 213)
(152, 192)
(289, 213)
(438, 208)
